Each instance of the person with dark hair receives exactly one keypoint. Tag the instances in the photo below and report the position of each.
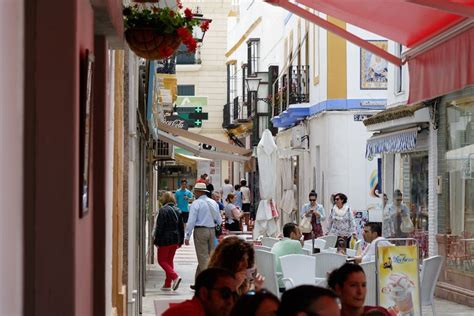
(238, 195)
(215, 295)
(232, 213)
(260, 303)
(373, 236)
(246, 198)
(350, 285)
(308, 300)
(168, 237)
(291, 244)
(317, 214)
(237, 256)
(183, 196)
(341, 220)
(202, 178)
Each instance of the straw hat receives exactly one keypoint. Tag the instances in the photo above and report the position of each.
(200, 187)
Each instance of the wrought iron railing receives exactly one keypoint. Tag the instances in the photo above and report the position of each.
(226, 118)
(292, 87)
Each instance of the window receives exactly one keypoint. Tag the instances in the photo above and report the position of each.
(252, 56)
(231, 80)
(185, 58)
(186, 89)
(399, 71)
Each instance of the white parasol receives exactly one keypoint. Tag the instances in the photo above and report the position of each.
(267, 214)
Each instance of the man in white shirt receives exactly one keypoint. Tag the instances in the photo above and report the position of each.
(226, 189)
(204, 215)
(372, 235)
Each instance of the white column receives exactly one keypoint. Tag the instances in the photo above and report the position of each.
(432, 194)
(11, 156)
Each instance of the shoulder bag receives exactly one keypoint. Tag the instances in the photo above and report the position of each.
(218, 227)
(305, 224)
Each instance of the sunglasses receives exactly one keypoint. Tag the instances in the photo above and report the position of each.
(312, 200)
(226, 293)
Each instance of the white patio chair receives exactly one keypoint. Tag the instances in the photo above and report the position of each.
(330, 250)
(262, 247)
(318, 243)
(429, 277)
(330, 240)
(307, 252)
(266, 266)
(269, 241)
(351, 252)
(297, 270)
(327, 262)
(369, 270)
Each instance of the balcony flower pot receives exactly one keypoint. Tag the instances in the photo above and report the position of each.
(156, 31)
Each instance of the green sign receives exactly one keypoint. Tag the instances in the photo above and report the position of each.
(190, 109)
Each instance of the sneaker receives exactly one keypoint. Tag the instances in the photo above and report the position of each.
(175, 283)
(166, 288)
(192, 287)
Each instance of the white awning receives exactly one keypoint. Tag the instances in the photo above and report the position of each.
(395, 142)
(210, 154)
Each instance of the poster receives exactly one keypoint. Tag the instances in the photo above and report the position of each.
(373, 69)
(398, 283)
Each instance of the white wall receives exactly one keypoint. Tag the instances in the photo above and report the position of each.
(11, 156)
(342, 145)
(395, 98)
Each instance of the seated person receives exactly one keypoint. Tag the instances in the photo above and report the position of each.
(260, 303)
(232, 213)
(350, 285)
(372, 235)
(308, 300)
(215, 295)
(291, 244)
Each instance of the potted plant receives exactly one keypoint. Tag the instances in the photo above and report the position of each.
(154, 32)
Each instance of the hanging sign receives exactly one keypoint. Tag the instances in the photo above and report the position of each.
(398, 285)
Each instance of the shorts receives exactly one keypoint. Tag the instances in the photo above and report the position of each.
(185, 216)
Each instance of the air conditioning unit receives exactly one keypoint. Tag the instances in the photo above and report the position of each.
(163, 150)
(299, 137)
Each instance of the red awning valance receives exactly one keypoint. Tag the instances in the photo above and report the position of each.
(443, 69)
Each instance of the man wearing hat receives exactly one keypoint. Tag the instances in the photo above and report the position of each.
(204, 215)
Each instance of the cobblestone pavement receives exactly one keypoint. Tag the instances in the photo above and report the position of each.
(185, 265)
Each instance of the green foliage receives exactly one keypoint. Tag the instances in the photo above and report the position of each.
(164, 20)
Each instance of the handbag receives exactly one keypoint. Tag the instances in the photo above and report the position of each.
(305, 225)
(407, 225)
(218, 227)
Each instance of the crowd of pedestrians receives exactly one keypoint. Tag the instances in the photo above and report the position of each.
(226, 281)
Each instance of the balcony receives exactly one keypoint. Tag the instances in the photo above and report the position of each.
(226, 115)
(292, 88)
(241, 112)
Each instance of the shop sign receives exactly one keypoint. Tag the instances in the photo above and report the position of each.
(176, 121)
(398, 285)
(361, 117)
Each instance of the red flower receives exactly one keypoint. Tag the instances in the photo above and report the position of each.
(205, 25)
(180, 5)
(191, 45)
(183, 32)
(166, 51)
(155, 10)
(171, 13)
(189, 15)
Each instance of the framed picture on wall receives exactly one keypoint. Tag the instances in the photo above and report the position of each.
(86, 84)
(373, 68)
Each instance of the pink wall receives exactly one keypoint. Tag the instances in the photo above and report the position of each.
(65, 266)
(11, 156)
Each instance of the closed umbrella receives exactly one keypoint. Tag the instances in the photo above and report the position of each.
(267, 214)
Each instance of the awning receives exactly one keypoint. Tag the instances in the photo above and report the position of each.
(224, 147)
(395, 142)
(210, 154)
(438, 32)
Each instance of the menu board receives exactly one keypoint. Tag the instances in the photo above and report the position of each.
(398, 281)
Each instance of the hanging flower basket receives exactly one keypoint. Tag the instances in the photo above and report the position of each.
(149, 44)
(155, 32)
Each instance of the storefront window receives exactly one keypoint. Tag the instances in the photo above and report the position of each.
(415, 195)
(460, 168)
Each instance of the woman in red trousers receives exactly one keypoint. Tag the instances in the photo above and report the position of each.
(168, 237)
